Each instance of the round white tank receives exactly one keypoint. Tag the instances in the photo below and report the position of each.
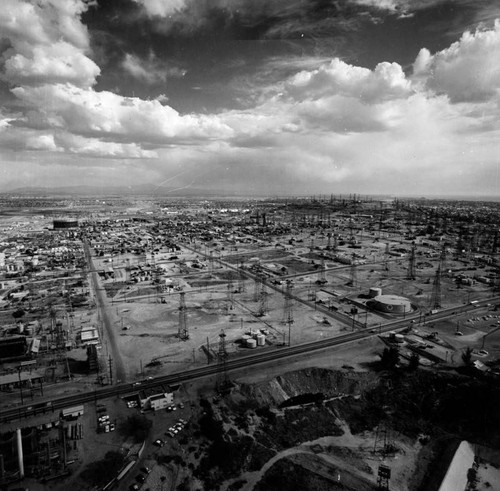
(374, 292)
(261, 340)
(399, 338)
(251, 343)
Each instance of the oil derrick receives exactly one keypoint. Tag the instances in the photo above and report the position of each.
(442, 258)
(382, 442)
(241, 279)
(183, 329)
(410, 274)
(436, 290)
(386, 257)
(383, 478)
(263, 301)
(322, 272)
(353, 279)
(335, 244)
(222, 382)
(329, 244)
(352, 239)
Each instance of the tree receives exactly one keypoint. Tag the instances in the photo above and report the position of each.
(414, 361)
(18, 314)
(467, 356)
(390, 358)
(136, 426)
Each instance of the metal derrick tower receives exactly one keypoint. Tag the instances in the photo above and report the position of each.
(222, 381)
(335, 244)
(386, 257)
(183, 329)
(410, 275)
(353, 276)
(442, 258)
(436, 290)
(322, 272)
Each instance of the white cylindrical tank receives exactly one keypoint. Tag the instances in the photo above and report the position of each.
(399, 338)
(261, 340)
(374, 292)
(252, 343)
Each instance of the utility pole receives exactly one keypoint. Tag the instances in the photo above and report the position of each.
(288, 310)
(110, 362)
(183, 329)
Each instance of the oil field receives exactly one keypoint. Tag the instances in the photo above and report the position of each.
(311, 338)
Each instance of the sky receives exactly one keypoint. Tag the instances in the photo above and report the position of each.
(252, 97)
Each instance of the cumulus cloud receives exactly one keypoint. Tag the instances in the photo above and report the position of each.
(48, 43)
(87, 112)
(466, 71)
(58, 62)
(387, 81)
(93, 147)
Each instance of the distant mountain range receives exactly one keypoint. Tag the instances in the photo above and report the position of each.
(139, 190)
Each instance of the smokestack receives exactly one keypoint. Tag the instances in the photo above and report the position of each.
(2, 468)
(20, 458)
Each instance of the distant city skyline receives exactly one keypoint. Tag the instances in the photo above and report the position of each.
(263, 97)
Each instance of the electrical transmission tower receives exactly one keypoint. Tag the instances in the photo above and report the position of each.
(183, 329)
(436, 290)
(222, 381)
(410, 275)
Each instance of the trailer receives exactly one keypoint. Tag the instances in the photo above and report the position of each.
(72, 412)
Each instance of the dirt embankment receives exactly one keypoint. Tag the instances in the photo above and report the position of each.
(330, 383)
